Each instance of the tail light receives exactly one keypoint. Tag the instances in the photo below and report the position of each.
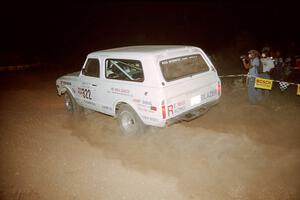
(163, 109)
(219, 88)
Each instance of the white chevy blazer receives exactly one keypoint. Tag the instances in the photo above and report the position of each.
(151, 85)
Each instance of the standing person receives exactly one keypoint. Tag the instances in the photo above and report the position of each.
(268, 65)
(253, 64)
(279, 65)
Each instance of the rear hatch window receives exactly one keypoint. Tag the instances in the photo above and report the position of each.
(179, 67)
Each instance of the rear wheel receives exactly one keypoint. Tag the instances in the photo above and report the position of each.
(129, 122)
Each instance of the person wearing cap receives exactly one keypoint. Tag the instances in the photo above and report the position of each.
(253, 64)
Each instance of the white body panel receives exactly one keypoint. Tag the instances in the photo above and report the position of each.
(154, 99)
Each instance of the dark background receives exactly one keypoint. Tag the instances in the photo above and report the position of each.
(66, 32)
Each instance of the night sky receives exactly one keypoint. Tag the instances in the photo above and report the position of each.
(61, 31)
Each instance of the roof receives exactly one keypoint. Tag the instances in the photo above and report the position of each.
(143, 50)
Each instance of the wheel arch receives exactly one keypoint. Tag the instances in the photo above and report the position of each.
(129, 121)
(118, 105)
(65, 89)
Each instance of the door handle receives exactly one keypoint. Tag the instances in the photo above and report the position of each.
(94, 85)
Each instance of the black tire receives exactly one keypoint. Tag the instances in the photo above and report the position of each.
(129, 122)
(70, 103)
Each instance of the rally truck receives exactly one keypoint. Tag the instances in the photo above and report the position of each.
(142, 86)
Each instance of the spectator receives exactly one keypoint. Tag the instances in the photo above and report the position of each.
(253, 64)
(266, 52)
(268, 65)
(279, 66)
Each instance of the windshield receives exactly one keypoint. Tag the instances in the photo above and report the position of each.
(179, 67)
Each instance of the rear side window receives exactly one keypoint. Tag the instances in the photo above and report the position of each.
(122, 69)
(179, 67)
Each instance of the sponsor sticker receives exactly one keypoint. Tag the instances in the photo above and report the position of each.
(262, 83)
(65, 83)
(208, 95)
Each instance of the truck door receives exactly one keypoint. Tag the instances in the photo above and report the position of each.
(90, 79)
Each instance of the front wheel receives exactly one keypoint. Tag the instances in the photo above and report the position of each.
(129, 122)
(71, 104)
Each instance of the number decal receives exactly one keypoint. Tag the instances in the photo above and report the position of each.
(86, 93)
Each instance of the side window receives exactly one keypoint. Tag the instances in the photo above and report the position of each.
(92, 68)
(122, 69)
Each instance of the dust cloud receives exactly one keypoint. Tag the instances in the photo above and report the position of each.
(235, 151)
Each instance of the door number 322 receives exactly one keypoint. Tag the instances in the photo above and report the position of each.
(85, 93)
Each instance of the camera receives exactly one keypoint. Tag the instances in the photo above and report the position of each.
(244, 57)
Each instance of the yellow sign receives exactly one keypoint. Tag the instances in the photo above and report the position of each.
(298, 90)
(262, 83)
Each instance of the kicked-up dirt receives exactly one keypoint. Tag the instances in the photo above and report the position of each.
(235, 151)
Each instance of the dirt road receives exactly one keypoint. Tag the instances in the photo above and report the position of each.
(235, 151)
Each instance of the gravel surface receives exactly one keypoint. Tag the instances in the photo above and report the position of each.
(235, 151)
